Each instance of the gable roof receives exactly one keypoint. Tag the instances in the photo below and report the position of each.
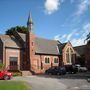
(9, 41)
(43, 46)
(46, 46)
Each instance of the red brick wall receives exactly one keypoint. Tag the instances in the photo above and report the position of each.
(39, 64)
(11, 53)
(30, 50)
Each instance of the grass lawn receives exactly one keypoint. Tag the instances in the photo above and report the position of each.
(14, 85)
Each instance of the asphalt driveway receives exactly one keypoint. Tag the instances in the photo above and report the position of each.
(55, 82)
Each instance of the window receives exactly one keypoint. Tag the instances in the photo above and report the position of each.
(55, 60)
(67, 50)
(13, 61)
(71, 50)
(13, 58)
(69, 54)
(47, 60)
(67, 57)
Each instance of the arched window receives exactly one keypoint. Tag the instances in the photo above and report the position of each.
(71, 51)
(69, 55)
(72, 56)
(47, 60)
(56, 60)
(67, 50)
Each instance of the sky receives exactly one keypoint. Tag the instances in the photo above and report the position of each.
(63, 20)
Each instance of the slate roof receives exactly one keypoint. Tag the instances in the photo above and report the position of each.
(46, 46)
(43, 46)
(9, 41)
(80, 49)
(23, 36)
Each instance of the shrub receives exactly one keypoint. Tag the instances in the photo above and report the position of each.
(2, 66)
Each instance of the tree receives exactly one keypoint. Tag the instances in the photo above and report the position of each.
(21, 29)
(88, 38)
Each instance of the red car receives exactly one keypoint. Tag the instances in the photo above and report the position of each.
(5, 75)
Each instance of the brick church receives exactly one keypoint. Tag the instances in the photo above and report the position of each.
(27, 52)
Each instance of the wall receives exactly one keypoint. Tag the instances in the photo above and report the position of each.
(68, 45)
(9, 52)
(39, 65)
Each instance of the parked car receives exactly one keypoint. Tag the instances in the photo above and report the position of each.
(71, 69)
(56, 71)
(81, 68)
(5, 75)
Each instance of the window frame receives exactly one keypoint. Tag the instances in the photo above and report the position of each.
(56, 58)
(13, 62)
(48, 60)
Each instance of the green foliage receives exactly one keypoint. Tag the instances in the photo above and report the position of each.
(14, 85)
(17, 74)
(2, 66)
(21, 29)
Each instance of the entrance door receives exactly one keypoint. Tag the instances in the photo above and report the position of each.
(13, 63)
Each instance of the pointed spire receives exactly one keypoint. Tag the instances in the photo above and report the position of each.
(30, 23)
(29, 19)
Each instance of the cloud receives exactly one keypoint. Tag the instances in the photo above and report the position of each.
(66, 37)
(69, 36)
(78, 42)
(82, 7)
(87, 27)
(57, 37)
(51, 6)
(72, 37)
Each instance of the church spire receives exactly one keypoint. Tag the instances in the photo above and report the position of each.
(30, 22)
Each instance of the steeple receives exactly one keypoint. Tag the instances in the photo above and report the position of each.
(30, 22)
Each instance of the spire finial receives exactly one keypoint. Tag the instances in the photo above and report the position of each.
(30, 22)
(30, 19)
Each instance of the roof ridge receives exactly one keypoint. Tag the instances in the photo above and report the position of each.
(46, 39)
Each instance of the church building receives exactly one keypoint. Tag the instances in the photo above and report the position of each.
(27, 52)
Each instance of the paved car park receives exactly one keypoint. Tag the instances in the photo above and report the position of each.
(50, 82)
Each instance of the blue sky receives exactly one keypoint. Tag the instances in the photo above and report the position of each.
(64, 20)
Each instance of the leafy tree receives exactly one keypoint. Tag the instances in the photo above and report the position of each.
(21, 29)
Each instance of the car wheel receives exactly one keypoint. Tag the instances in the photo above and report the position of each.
(6, 77)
